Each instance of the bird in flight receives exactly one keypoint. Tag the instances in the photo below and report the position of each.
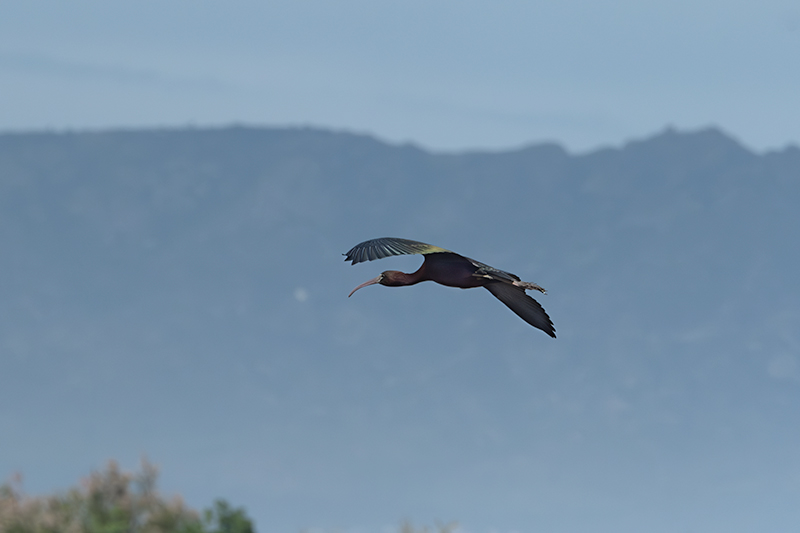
(453, 270)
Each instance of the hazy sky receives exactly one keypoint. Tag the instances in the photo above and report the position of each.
(446, 74)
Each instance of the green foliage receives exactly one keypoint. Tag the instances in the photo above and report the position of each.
(222, 518)
(113, 501)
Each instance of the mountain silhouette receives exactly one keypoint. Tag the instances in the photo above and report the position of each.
(182, 293)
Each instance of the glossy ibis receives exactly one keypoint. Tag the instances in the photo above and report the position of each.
(454, 270)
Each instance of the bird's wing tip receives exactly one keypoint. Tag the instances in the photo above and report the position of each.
(525, 307)
(388, 246)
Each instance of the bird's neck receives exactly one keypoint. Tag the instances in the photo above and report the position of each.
(396, 278)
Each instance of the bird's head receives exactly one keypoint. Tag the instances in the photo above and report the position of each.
(390, 278)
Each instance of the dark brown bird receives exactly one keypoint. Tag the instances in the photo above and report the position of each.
(453, 270)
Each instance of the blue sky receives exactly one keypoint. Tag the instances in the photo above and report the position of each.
(446, 74)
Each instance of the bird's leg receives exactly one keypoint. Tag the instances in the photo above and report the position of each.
(530, 286)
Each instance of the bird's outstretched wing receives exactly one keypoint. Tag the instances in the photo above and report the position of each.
(523, 305)
(388, 246)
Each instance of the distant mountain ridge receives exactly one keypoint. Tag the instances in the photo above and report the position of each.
(182, 293)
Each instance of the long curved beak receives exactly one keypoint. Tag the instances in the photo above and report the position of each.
(373, 281)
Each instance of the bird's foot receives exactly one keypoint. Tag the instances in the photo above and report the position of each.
(530, 286)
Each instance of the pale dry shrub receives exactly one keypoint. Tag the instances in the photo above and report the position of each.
(108, 501)
(408, 527)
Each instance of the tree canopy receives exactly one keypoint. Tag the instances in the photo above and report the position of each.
(114, 501)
